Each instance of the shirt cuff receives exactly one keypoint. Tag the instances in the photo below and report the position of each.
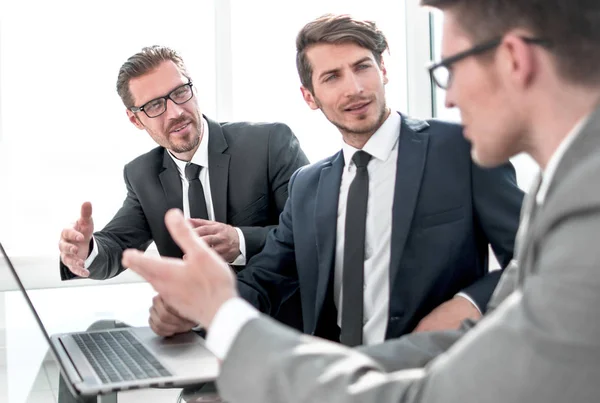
(241, 259)
(90, 259)
(227, 324)
(465, 296)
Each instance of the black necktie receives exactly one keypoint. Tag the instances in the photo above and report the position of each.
(195, 192)
(354, 253)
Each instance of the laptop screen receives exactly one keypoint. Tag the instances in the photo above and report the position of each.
(21, 287)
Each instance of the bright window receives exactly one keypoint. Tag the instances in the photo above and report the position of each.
(265, 83)
(65, 136)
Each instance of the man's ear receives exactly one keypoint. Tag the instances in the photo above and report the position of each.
(309, 98)
(518, 61)
(134, 119)
(383, 71)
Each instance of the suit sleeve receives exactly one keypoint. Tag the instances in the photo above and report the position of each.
(497, 203)
(128, 229)
(284, 157)
(270, 277)
(540, 345)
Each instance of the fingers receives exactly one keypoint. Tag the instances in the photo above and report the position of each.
(182, 233)
(67, 247)
(198, 222)
(156, 270)
(71, 235)
(209, 230)
(169, 314)
(74, 264)
(164, 321)
(212, 240)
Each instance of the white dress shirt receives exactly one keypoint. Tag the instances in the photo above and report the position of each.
(383, 147)
(200, 158)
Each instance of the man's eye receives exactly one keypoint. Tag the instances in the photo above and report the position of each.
(153, 106)
(180, 93)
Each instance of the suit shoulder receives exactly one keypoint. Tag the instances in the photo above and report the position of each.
(447, 130)
(310, 171)
(233, 130)
(145, 161)
(583, 181)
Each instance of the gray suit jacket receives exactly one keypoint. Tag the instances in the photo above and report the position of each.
(539, 342)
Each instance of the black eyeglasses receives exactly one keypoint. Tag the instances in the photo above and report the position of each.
(158, 106)
(441, 73)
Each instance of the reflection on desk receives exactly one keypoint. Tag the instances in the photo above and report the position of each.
(28, 374)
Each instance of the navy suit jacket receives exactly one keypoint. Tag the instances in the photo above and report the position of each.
(446, 212)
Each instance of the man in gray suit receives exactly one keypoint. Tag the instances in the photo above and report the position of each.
(525, 75)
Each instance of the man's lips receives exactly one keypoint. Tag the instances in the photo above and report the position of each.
(179, 127)
(356, 106)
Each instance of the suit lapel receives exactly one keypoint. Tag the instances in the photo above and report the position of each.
(326, 210)
(170, 180)
(412, 154)
(523, 239)
(584, 146)
(218, 165)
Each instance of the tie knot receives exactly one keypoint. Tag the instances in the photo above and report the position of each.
(361, 159)
(192, 171)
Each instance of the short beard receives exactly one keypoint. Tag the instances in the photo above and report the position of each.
(358, 132)
(195, 140)
(368, 130)
(186, 147)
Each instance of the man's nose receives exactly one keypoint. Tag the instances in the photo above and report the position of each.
(353, 85)
(173, 110)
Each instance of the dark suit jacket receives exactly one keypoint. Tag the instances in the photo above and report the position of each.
(446, 211)
(250, 166)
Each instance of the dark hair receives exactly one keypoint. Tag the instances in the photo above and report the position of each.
(572, 27)
(143, 62)
(336, 29)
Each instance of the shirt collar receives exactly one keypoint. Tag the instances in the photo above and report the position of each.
(381, 143)
(200, 157)
(552, 165)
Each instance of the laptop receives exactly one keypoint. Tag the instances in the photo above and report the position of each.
(100, 362)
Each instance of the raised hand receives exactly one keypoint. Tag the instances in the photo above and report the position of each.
(74, 244)
(195, 287)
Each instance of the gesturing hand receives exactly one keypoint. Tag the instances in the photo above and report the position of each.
(165, 321)
(197, 287)
(221, 237)
(74, 244)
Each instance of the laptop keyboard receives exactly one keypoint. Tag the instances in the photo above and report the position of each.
(118, 356)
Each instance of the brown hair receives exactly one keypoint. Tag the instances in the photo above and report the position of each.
(572, 28)
(143, 62)
(336, 29)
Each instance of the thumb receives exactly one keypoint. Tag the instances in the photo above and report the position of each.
(182, 232)
(86, 212)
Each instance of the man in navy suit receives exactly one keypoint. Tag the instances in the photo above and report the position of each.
(397, 243)
(430, 212)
